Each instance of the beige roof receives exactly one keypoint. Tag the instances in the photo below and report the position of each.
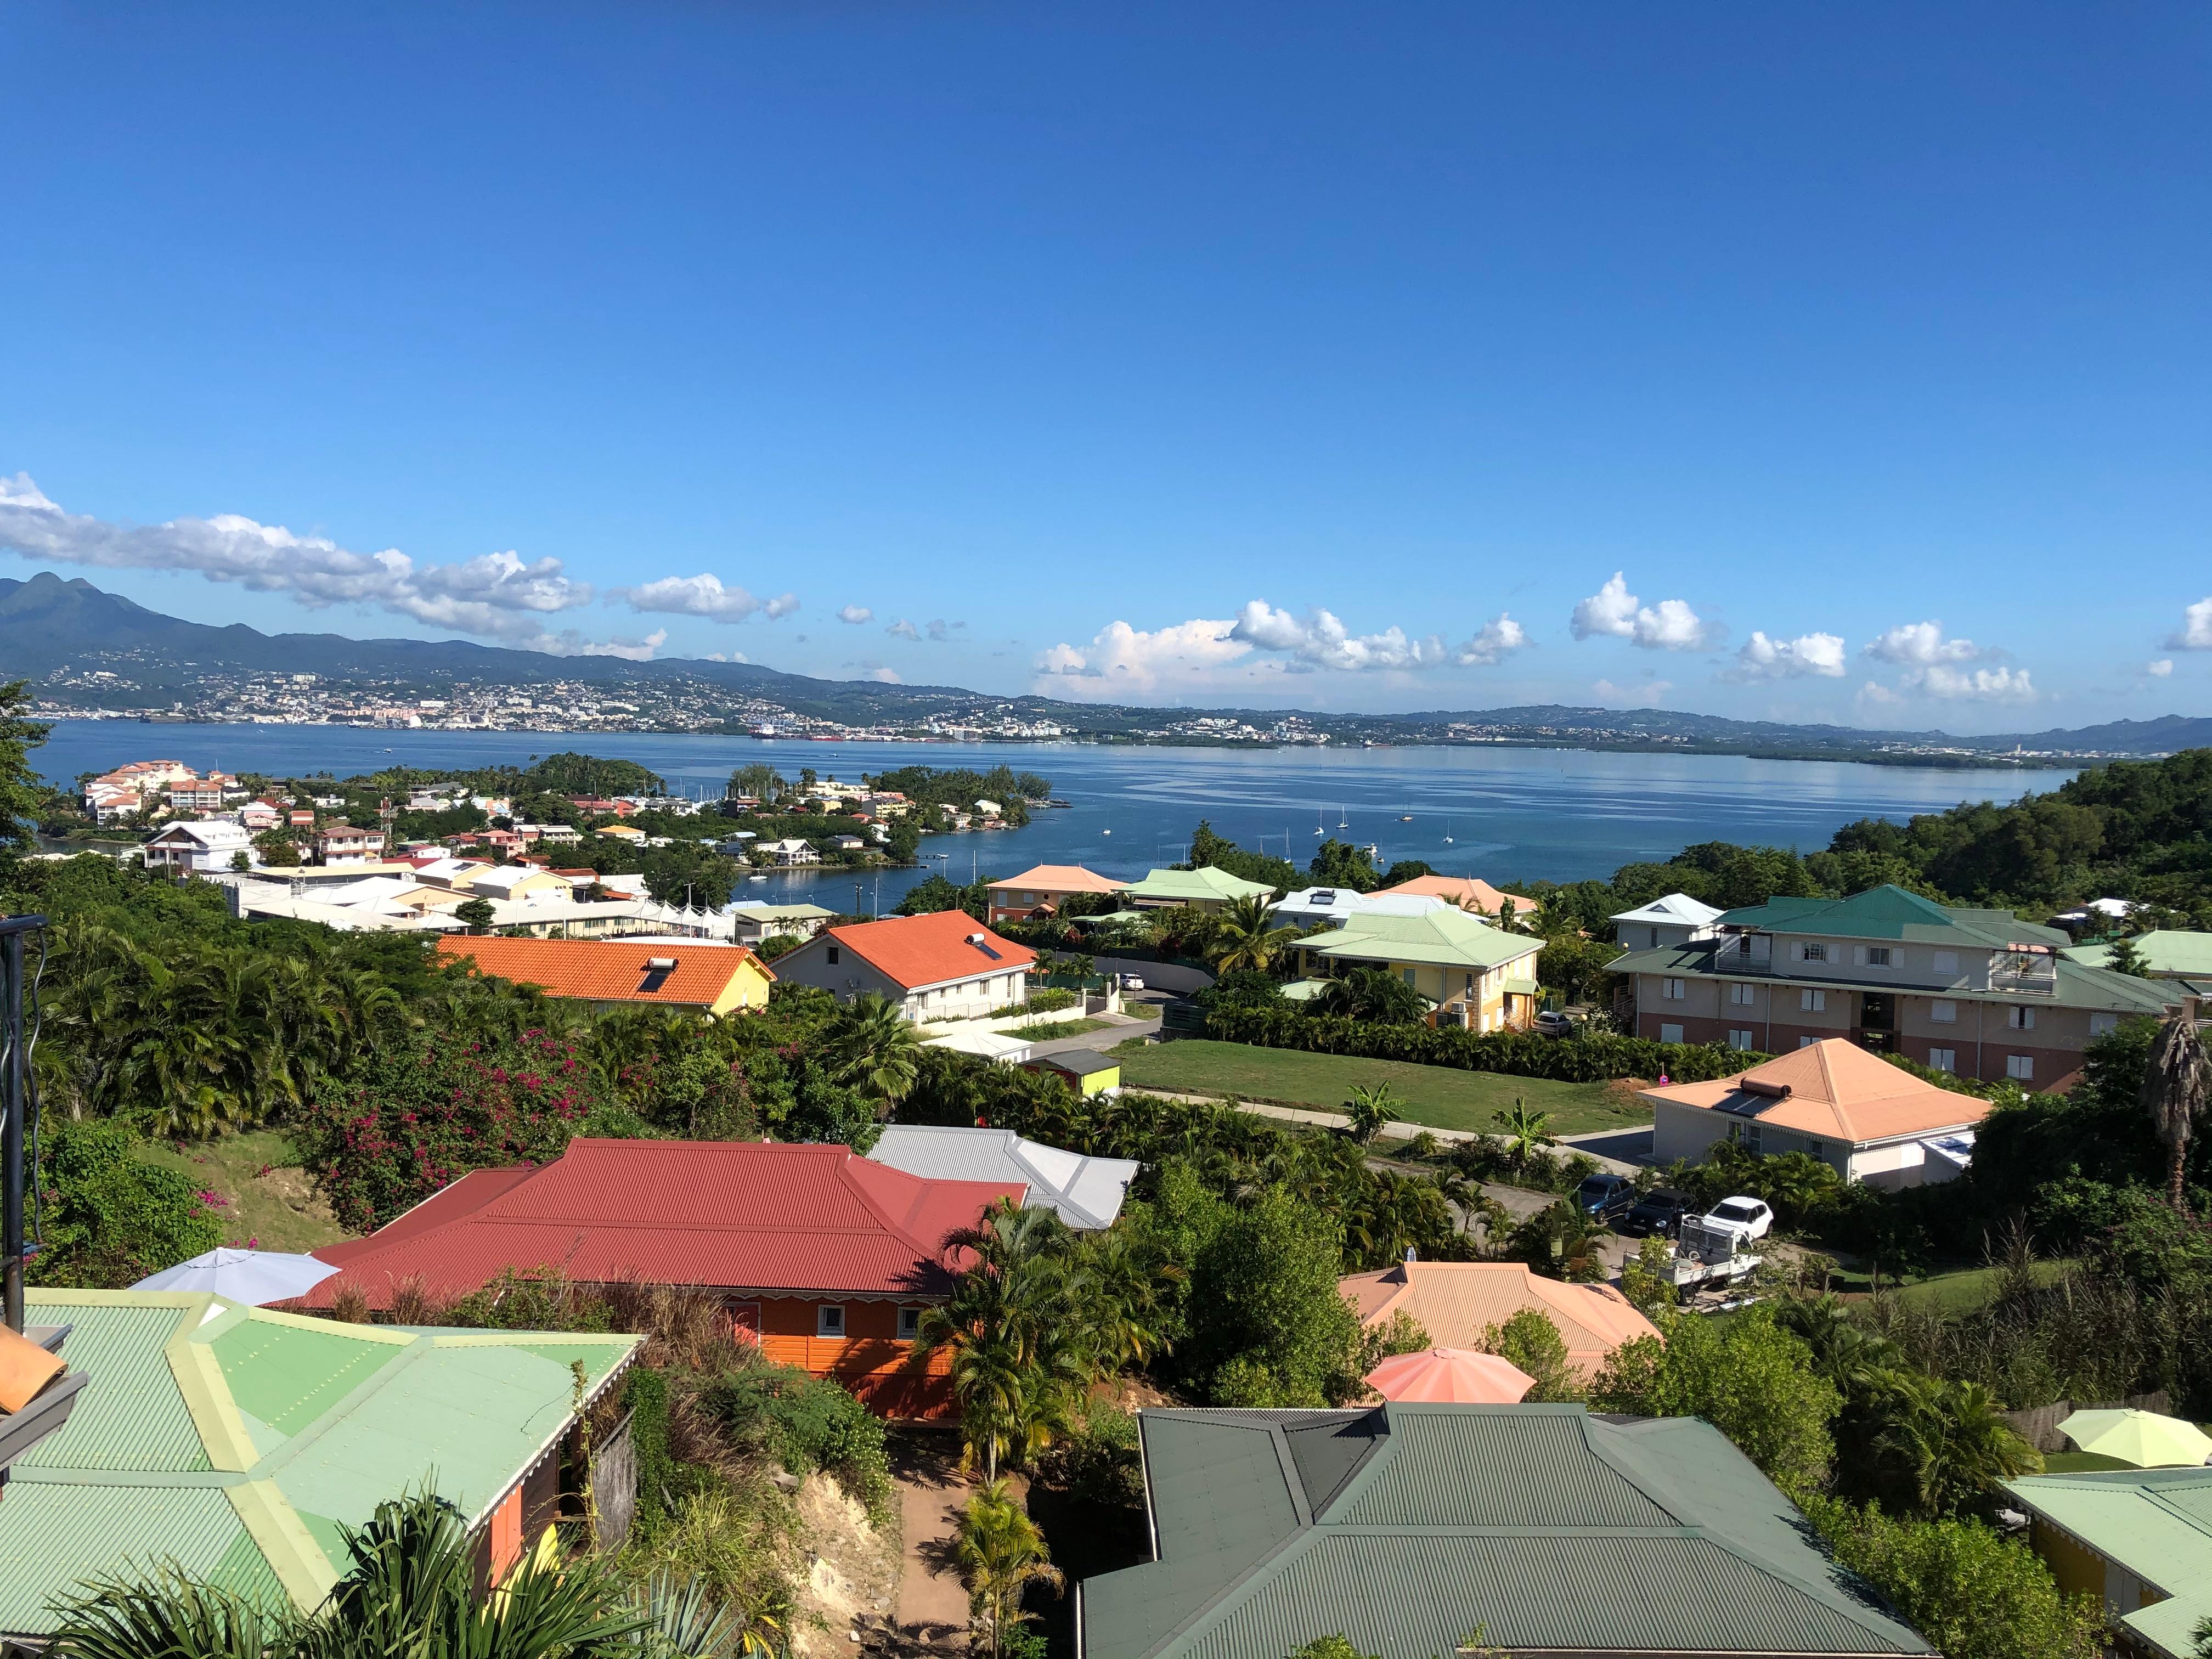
(1834, 1088)
(1062, 878)
(1464, 891)
(1456, 1301)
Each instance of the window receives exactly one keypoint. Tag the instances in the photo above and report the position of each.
(2020, 1068)
(1806, 1041)
(1943, 1012)
(2020, 1019)
(1409, 976)
(1947, 961)
(1813, 950)
(1470, 986)
(2103, 1025)
(1877, 956)
(1742, 945)
(1739, 1039)
(830, 1320)
(1669, 1033)
(1742, 995)
(832, 955)
(1943, 1059)
(1813, 1002)
(909, 1325)
(1671, 989)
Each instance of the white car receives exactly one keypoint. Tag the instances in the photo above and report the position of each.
(1747, 1218)
(1132, 981)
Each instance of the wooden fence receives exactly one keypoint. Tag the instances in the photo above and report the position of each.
(2038, 1424)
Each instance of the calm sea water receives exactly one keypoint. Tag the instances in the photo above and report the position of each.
(1502, 814)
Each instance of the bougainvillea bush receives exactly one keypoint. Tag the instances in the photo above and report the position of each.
(430, 1107)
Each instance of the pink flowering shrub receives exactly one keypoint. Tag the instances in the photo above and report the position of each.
(430, 1109)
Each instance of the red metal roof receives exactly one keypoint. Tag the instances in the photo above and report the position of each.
(738, 1215)
(931, 950)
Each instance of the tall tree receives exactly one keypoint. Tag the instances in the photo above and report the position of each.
(1245, 936)
(2176, 1086)
(20, 789)
(1001, 1554)
(874, 1048)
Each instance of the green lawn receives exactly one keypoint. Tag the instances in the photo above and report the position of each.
(1441, 1096)
(281, 1209)
(1046, 1030)
(1950, 1292)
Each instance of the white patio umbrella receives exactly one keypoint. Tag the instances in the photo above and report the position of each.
(258, 1277)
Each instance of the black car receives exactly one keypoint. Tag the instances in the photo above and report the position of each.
(1606, 1197)
(1658, 1211)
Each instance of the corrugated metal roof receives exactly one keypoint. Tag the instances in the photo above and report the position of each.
(135, 1419)
(54, 1536)
(2157, 1523)
(1550, 1529)
(286, 1377)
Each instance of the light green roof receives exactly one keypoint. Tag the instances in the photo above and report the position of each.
(1205, 884)
(240, 1442)
(2172, 950)
(1442, 938)
(1406, 1525)
(779, 912)
(2156, 1524)
(1890, 912)
(1305, 990)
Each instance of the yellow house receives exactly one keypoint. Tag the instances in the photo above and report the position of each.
(1479, 976)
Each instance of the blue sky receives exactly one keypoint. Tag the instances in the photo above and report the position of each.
(1338, 357)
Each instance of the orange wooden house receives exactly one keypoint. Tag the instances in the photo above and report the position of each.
(827, 1259)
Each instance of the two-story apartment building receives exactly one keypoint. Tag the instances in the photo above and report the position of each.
(1041, 891)
(1974, 991)
(1478, 977)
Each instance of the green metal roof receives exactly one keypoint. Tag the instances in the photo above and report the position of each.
(241, 1442)
(1890, 912)
(1442, 938)
(1205, 884)
(2079, 985)
(2156, 1524)
(2172, 950)
(1406, 1525)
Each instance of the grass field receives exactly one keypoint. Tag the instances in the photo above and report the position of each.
(1441, 1096)
(1045, 1030)
(281, 1209)
(1952, 1292)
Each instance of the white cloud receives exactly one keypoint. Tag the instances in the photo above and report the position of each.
(1637, 696)
(1500, 637)
(1124, 658)
(940, 629)
(500, 595)
(884, 676)
(1763, 659)
(727, 656)
(1320, 640)
(2195, 633)
(2160, 668)
(1670, 625)
(1973, 684)
(635, 650)
(1921, 643)
(702, 595)
(1875, 695)
(856, 614)
(903, 629)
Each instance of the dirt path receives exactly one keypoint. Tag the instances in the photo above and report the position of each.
(933, 1606)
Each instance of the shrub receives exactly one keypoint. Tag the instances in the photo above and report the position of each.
(111, 1219)
(807, 1423)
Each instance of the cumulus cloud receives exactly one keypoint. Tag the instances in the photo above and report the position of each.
(2160, 668)
(1500, 637)
(1921, 643)
(781, 606)
(500, 595)
(884, 674)
(939, 629)
(1670, 625)
(1319, 640)
(903, 629)
(1124, 658)
(1874, 695)
(1973, 684)
(856, 614)
(1649, 692)
(635, 650)
(1763, 659)
(2196, 631)
(727, 656)
(690, 596)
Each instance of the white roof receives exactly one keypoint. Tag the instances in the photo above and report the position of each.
(1340, 902)
(1086, 1191)
(984, 1045)
(1679, 910)
(208, 832)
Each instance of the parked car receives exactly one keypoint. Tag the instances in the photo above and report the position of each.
(1132, 981)
(1747, 1218)
(1659, 1212)
(1552, 1023)
(1606, 1197)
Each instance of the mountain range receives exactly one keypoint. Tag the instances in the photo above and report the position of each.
(84, 648)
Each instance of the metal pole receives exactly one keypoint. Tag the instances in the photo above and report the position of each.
(15, 1076)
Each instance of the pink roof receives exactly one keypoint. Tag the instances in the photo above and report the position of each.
(1452, 1376)
(931, 950)
(1835, 1088)
(1455, 1302)
(735, 1215)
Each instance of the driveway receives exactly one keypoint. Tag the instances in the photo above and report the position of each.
(933, 1605)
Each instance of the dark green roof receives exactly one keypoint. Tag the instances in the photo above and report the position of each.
(1406, 1525)
(1890, 912)
(2080, 986)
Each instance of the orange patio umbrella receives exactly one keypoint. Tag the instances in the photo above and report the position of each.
(1458, 1375)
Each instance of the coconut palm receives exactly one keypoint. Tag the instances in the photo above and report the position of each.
(1951, 1441)
(1244, 936)
(873, 1046)
(2176, 1087)
(1001, 1552)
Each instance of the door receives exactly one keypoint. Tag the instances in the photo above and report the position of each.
(745, 1322)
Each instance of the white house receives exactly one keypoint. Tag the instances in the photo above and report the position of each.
(790, 851)
(200, 845)
(1337, 905)
(941, 967)
(1675, 919)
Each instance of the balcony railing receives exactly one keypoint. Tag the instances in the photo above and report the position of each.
(2034, 983)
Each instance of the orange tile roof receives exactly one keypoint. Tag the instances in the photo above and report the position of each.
(607, 970)
(931, 950)
(1463, 891)
(1835, 1088)
(1062, 878)
(1455, 1301)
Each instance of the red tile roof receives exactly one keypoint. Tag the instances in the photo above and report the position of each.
(607, 970)
(732, 1215)
(931, 950)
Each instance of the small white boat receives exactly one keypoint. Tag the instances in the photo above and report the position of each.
(756, 878)
(1105, 832)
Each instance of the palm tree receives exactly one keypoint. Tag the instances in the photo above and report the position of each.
(1243, 936)
(1369, 1109)
(1001, 1552)
(2176, 1087)
(874, 1047)
(1953, 1442)
(1524, 1131)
